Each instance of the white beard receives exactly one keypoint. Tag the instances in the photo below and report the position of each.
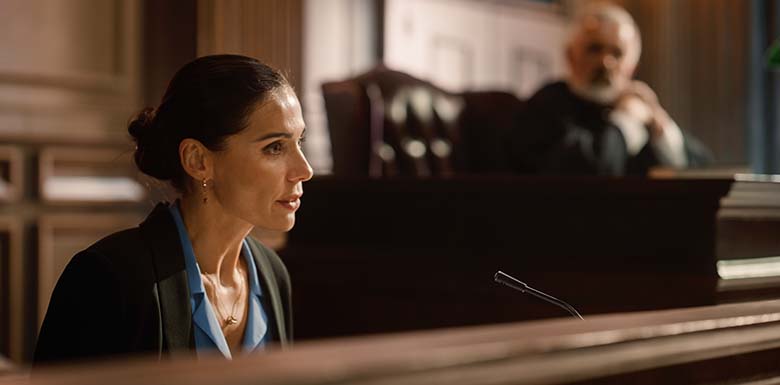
(601, 94)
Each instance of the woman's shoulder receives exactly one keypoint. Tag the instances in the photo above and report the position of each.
(99, 264)
(133, 243)
(122, 242)
(123, 252)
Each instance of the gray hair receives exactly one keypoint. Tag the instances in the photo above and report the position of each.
(605, 13)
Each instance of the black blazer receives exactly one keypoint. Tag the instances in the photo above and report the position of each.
(128, 294)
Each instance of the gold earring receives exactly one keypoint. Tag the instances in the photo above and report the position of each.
(205, 191)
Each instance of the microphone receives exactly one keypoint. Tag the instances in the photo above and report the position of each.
(508, 280)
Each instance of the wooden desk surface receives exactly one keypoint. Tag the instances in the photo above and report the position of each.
(720, 344)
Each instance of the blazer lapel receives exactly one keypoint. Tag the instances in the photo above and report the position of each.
(159, 232)
(270, 286)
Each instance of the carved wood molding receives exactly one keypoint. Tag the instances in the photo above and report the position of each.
(88, 176)
(11, 174)
(52, 135)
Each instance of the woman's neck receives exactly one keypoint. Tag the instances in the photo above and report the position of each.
(216, 237)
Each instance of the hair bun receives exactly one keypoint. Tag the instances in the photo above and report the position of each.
(150, 145)
(139, 125)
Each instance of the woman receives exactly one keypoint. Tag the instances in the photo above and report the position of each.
(227, 136)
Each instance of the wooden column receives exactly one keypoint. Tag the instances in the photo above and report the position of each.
(270, 30)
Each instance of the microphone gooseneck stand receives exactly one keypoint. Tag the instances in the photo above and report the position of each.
(514, 283)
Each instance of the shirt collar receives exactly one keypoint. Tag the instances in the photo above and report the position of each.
(203, 315)
(190, 262)
(257, 320)
(254, 280)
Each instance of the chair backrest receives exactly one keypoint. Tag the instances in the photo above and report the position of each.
(388, 123)
(486, 124)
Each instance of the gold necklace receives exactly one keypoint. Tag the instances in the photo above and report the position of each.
(230, 319)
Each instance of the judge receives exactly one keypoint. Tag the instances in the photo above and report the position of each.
(599, 121)
(227, 135)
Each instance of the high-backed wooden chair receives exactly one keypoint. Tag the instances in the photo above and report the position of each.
(387, 123)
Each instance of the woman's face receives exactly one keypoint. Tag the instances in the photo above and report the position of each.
(259, 175)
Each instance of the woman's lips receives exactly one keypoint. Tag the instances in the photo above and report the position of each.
(290, 205)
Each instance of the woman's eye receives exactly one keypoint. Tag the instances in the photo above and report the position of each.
(275, 148)
(301, 141)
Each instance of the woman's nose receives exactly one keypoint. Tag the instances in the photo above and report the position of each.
(301, 170)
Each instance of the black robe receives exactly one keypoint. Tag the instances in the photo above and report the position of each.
(562, 133)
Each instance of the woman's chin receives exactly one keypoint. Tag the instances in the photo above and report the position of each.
(282, 225)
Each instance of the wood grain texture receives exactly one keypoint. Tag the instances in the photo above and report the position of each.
(269, 30)
(721, 344)
(695, 56)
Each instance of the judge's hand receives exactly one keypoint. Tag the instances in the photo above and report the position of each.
(641, 102)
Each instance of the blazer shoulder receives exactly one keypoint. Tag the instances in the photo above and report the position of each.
(108, 274)
(123, 242)
(125, 251)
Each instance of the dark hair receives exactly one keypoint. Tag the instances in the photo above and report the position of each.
(208, 100)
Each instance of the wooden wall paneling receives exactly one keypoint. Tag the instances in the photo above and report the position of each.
(270, 30)
(60, 236)
(79, 48)
(11, 174)
(65, 51)
(88, 176)
(695, 57)
(11, 293)
(169, 42)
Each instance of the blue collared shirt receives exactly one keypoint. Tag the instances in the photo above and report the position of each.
(208, 334)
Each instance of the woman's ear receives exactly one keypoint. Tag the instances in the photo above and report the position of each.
(196, 159)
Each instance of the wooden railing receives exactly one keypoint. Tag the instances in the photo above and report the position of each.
(736, 343)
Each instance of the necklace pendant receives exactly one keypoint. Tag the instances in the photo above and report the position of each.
(231, 320)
